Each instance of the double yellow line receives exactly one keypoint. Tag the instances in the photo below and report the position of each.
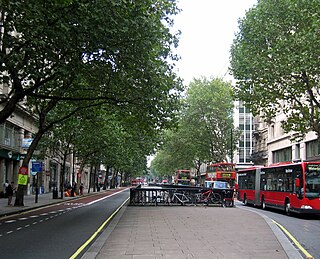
(304, 251)
(81, 248)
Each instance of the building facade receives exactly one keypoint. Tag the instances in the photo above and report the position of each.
(243, 120)
(273, 145)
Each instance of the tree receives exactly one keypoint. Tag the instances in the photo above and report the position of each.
(204, 130)
(110, 53)
(118, 51)
(274, 59)
(208, 118)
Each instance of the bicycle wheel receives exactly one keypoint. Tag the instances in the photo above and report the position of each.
(216, 198)
(229, 202)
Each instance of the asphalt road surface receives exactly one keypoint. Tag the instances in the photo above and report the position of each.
(59, 230)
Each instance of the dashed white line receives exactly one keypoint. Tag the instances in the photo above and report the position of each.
(9, 232)
(22, 218)
(27, 226)
(10, 221)
(19, 228)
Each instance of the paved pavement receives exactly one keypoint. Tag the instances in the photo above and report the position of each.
(180, 232)
(191, 232)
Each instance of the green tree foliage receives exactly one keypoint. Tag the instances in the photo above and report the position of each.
(204, 129)
(117, 51)
(274, 59)
(208, 116)
(115, 54)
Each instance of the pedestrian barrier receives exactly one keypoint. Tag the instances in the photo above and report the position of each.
(180, 195)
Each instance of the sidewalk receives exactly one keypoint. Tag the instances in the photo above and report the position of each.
(191, 232)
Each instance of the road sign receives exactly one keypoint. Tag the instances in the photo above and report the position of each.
(36, 167)
(22, 179)
(23, 170)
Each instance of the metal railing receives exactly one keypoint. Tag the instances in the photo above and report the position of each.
(179, 195)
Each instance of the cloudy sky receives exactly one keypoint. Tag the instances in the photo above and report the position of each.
(208, 28)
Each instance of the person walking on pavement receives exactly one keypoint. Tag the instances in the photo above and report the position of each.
(9, 191)
(81, 188)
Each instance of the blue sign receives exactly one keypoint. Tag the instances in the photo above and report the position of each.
(36, 167)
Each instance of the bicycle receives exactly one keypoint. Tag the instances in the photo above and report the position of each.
(207, 197)
(183, 198)
(228, 200)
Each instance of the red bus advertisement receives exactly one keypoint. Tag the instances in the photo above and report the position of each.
(292, 187)
(225, 172)
(183, 177)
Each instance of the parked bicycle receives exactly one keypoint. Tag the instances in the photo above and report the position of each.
(228, 200)
(183, 198)
(208, 197)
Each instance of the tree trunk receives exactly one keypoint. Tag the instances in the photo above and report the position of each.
(19, 201)
(90, 179)
(121, 177)
(105, 183)
(113, 183)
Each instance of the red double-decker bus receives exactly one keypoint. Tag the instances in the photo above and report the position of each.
(183, 177)
(136, 181)
(222, 171)
(292, 187)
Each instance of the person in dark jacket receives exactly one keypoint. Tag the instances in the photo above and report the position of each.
(9, 192)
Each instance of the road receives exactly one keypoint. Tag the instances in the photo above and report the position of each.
(305, 229)
(59, 230)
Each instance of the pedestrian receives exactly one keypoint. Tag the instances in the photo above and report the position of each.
(81, 188)
(9, 192)
(5, 185)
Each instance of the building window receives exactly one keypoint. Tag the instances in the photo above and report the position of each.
(9, 135)
(272, 131)
(297, 151)
(313, 148)
(282, 155)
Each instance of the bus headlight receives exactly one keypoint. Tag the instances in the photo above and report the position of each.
(306, 207)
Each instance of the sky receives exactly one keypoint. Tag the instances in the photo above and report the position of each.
(208, 28)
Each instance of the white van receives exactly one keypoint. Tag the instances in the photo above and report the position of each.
(216, 185)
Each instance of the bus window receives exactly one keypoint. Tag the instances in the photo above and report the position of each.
(313, 182)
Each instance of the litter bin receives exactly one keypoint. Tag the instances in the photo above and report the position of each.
(55, 193)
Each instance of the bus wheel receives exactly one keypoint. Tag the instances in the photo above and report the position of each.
(263, 204)
(287, 207)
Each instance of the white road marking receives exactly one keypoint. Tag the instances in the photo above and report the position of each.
(10, 221)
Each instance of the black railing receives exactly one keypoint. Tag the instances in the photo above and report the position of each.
(179, 195)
